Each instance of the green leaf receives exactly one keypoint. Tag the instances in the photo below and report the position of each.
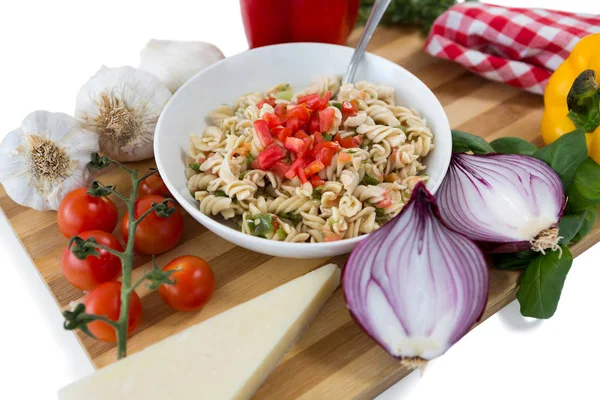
(281, 235)
(219, 193)
(294, 217)
(261, 225)
(569, 225)
(327, 137)
(585, 191)
(82, 249)
(379, 212)
(317, 193)
(513, 145)
(98, 162)
(195, 166)
(517, 260)
(565, 155)
(542, 283)
(369, 180)
(337, 105)
(463, 142)
(591, 215)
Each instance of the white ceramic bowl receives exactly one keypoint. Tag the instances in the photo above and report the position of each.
(258, 70)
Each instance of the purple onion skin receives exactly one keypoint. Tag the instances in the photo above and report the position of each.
(426, 203)
(458, 162)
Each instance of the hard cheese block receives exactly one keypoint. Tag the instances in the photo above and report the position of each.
(225, 357)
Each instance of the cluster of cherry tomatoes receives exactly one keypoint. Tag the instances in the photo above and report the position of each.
(81, 214)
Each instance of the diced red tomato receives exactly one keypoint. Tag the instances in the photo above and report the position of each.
(307, 98)
(294, 145)
(262, 130)
(281, 110)
(272, 120)
(331, 237)
(358, 139)
(316, 181)
(349, 108)
(344, 158)
(302, 175)
(293, 123)
(314, 125)
(318, 138)
(269, 156)
(313, 168)
(281, 133)
(301, 134)
(385, 202)
(255, 164)
(261, 103)
(300, 112)
(347, 143)
(307, 145)
(326, 119)
(325, 100)
(326, 145)
(297, 164)
(325, 156)
(280, 168)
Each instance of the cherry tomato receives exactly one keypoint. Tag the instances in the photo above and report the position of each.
(194, 284)
(106, 300)
(79, 212)
(153, 185)
(155, 234)
(94, 270)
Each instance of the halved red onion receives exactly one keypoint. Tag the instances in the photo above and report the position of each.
(507, 202)
(414, 285)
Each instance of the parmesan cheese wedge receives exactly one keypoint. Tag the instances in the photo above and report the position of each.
(225, 357)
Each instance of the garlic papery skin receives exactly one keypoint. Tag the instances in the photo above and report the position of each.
(45, 159)
(122, 106)
(175, 62)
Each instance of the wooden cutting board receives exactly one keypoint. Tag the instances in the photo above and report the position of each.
(334, 359)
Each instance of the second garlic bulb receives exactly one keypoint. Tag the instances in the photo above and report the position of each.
(122, 106)
(175, 62)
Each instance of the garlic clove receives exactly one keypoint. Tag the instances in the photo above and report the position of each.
(122, 106)
(175, 62)
(45, 159)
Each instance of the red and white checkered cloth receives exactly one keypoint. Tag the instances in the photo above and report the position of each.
(517, 46)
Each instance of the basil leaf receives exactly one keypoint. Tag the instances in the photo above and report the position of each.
(369, 180)
(542, 283)
(263, 225)
(517, 260)
(463, 142)
(513, 145)
(585, 191)
(591, 215)
(569, 225)
(565, 155)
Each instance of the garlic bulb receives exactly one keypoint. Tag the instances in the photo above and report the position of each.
(122, 106)
(175, 62)
(45, 159)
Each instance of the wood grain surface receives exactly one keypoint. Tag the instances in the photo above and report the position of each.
(334, 359)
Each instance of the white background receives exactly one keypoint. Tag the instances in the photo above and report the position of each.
(50, 48)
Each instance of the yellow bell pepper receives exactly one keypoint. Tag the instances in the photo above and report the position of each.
(555, 122)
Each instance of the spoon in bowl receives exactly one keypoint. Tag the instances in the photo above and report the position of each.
(377, 12)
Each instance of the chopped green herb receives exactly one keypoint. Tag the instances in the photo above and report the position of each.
(294, 217)
(369, 180)
(336, 104)
(351, 151)
(379, 212)
(327, 137)
(281, 235)
(317, 193)
(261, 225)
(243, 174)
(219, 193)
(249, 160)
(195, 167)
(285, 95)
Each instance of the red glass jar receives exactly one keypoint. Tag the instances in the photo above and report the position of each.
(282, 21)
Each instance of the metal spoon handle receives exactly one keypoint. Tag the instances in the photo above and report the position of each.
(377, 12)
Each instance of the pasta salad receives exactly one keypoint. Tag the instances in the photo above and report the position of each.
(329, 162)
